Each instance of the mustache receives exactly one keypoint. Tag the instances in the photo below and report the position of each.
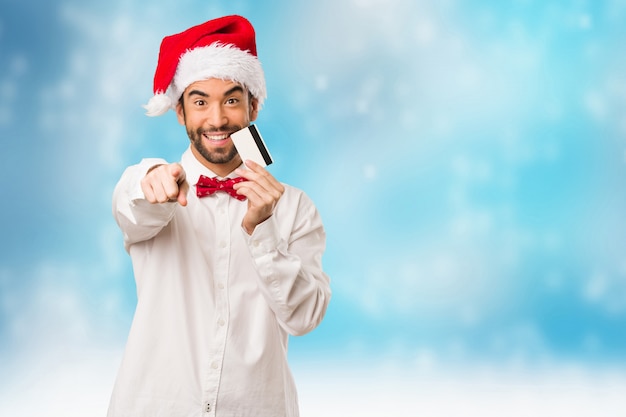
(222, 129)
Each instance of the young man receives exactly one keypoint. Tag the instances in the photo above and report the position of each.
(223, 278)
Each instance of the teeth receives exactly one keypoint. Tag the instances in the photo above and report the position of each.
(216, 137)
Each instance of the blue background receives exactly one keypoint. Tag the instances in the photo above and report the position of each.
(468, 160)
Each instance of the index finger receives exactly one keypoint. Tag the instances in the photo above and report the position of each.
(255, 171)
(176, 171)
(253, 165)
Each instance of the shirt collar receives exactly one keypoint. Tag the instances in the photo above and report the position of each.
(194, 168)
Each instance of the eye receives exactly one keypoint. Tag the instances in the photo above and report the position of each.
(199, 102)
(232, 101)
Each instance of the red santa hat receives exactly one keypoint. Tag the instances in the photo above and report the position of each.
(222, 48)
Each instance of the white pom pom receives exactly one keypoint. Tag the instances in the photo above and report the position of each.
(159, 104)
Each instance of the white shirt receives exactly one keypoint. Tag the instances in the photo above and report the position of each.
(215, 306)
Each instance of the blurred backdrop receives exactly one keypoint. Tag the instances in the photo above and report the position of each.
(468, 159)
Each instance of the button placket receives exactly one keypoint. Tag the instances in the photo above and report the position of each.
(221, 245)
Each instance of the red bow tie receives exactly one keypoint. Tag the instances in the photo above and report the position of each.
(207, 186)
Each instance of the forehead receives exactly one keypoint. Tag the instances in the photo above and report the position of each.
(215, 87)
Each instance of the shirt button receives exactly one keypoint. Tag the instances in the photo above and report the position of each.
(222, 244)
(220, 286)
(221, 322)
(214, 365)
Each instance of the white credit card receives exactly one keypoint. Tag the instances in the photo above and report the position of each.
(250, 145)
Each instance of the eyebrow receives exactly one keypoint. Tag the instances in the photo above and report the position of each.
(236, 88)
(201, 93)
(197, 93)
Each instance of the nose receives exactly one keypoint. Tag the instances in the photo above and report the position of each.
(216, 117)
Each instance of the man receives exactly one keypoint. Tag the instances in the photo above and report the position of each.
(223, 278)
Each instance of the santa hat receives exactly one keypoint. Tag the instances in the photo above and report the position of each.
(223, 48)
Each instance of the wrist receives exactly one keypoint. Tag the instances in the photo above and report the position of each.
(248, 228)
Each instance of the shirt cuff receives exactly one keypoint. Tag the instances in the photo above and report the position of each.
(264, 241)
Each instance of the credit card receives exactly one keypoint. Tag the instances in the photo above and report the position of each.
(250, 145)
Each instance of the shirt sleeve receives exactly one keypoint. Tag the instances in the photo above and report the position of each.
(139, 219)
(290, 270)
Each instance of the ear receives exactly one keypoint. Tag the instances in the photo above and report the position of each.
(254, 108)
(180, 112)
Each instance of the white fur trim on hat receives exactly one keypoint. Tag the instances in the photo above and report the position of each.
(226, 62)
(159, 104)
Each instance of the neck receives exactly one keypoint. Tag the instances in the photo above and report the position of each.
(220, 169)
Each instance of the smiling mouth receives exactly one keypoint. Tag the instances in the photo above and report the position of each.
(216, 138)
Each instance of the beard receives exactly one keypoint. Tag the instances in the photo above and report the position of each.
(216, 156)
